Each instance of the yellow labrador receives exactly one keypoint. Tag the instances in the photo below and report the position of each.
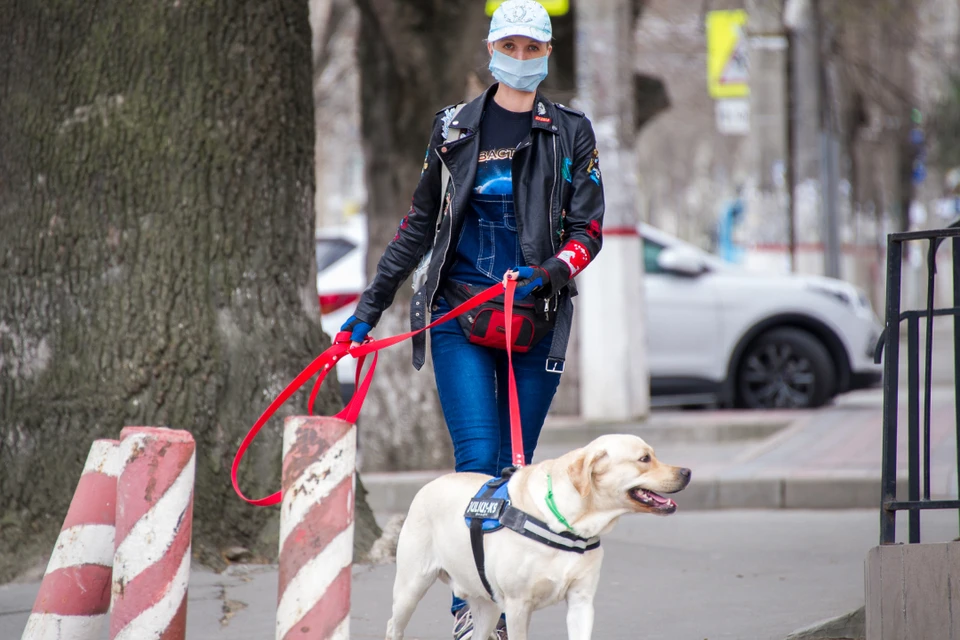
(591, 487)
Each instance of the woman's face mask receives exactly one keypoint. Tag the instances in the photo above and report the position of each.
(522, 75)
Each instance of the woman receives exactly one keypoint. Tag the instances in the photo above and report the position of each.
(524, 201)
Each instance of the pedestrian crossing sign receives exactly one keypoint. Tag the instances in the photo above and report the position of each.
(553, 7)
(727, 70)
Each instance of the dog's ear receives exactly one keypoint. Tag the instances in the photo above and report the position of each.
(583, 468)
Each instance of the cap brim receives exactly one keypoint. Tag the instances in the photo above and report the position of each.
(531, 32)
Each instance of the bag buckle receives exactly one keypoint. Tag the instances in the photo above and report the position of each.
(555, 365)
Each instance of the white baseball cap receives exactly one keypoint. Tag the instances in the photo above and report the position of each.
(521, 18)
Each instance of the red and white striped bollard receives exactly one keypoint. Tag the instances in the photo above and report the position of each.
(75, 593)
(316, 528)
(151, 567)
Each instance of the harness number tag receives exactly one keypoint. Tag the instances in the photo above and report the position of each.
(486, 508)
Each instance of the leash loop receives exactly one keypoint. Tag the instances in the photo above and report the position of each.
(341, 347)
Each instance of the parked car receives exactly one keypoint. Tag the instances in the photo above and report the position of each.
(719, 333)
(716, 333)
(341, 278)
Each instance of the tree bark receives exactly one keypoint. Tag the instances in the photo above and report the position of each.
(415, 57)
(156, 259)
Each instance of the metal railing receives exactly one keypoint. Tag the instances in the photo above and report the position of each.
(890, 343)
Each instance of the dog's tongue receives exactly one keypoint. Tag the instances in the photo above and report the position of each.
(658, 499)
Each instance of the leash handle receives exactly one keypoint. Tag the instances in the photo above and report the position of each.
(516, 433)
(327, 360)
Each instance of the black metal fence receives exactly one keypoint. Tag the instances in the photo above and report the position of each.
(918, 493)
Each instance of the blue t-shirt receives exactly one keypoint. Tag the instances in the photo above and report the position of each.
(489, 244)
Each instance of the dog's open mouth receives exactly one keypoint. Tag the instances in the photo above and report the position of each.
(653, 500)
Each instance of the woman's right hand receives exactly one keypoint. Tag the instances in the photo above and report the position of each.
(358, 330)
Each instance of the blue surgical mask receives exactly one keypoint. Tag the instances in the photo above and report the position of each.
(522, 75)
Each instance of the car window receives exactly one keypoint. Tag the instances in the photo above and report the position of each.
(651, 251)
(329, 250)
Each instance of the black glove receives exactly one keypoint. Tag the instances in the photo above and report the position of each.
(529, 280)
(358, 328)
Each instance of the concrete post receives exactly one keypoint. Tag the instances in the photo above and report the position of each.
(75, 594)
(151, 566)
(316, 528)
(908, 591)
(614, 381)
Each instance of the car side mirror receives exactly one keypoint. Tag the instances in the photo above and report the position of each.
(681, 262)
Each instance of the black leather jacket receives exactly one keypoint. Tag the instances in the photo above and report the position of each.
(558, 198)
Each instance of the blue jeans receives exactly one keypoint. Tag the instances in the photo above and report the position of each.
(472, 383)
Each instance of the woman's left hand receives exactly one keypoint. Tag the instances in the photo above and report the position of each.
(529, 279)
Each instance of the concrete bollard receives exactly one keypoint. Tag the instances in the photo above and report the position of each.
(316, 529)
(75, 593)
(151, 567)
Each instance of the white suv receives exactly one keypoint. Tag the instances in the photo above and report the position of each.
(717, 333)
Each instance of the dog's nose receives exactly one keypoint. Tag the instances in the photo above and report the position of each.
(685, 473)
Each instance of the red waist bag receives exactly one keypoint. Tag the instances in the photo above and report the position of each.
(486, 325)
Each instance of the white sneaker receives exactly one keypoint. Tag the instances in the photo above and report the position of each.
(463, 627)
(463, 624)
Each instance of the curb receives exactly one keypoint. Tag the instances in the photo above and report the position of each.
(682, 427)
(392, 492)
(849, 626)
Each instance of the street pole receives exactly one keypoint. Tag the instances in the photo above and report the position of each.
(791, 157)
(614, 380)
(829, 158)
(828, 186)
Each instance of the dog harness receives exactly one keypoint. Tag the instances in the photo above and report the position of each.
(490, 510)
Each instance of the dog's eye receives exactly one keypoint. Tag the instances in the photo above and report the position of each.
(645, 459)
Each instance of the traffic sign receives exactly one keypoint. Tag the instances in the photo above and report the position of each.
(727, 70)
(553, 7)
(733, 116)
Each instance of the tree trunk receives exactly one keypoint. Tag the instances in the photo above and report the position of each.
(415, 57)
(334, 27)
(156, 260)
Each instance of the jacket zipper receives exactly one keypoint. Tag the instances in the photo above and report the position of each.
(553, 190)
(516, 209)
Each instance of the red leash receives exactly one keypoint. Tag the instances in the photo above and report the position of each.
(325, 362)
(516, 434)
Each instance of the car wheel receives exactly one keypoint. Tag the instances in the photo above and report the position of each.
(785, 369)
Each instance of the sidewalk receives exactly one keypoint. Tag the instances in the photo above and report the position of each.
(818, 459)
